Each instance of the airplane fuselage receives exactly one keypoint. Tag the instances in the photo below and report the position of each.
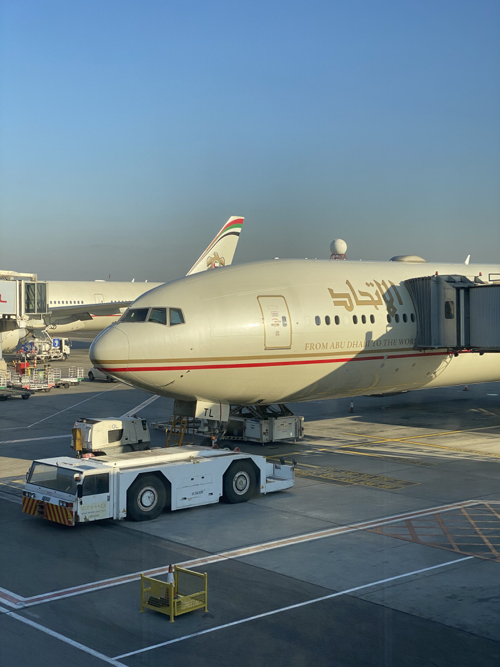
(288, 330)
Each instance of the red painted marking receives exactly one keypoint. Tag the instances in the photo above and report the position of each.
(1, 300)
(264, 364)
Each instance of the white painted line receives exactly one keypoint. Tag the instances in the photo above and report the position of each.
(293, 606)
(240, 553)
(66, 640)
(11, 499)
(71, 407)
(9, 598)
(45, 437)
(141, 406)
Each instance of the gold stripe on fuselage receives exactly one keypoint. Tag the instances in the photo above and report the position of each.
(370, 353)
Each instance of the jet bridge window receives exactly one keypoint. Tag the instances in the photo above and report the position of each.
(135, 315)
(158, 315)
(449, 310)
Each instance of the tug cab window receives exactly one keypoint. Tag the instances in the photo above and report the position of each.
(94, 484)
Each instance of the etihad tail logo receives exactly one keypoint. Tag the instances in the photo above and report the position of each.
(215, 261)
(383, 295)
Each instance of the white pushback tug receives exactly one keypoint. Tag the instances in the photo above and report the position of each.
(140, 485)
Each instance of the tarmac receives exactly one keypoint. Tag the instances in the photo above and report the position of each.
(386, 552)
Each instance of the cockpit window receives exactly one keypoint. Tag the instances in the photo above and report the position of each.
(135, 315)
(176, 316)
(165, 316)
(158, 315)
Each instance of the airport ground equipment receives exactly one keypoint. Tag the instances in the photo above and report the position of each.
(46, 348)
(6, 391)
(66, 377)
(263, 424)
(457, 313)
(110, 436)
(32, 380)
(252, 423)
(177, 598)
(96, 374)
(140, 485)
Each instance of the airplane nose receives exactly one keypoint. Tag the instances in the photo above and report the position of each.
(111, 347)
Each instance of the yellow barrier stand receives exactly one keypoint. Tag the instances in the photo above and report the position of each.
(168, 599)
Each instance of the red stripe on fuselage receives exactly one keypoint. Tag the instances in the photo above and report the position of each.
(271, 364)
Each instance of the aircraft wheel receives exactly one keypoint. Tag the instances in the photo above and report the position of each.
(240, 482)
(146, 498)
(91, 376)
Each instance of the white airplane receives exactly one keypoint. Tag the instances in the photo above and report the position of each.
(301, 330)
(87, 307)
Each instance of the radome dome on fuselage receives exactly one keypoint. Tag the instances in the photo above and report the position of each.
(288, 330)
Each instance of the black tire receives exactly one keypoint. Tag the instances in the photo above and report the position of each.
(66, 385)
(109, 378)
(91, 376)
(240, 482)
(25, 396)
(146, 498)
(65, 356)
(4, 398)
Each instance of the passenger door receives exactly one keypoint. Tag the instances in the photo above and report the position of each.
(277, 323)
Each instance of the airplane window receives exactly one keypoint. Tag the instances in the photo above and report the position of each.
(412, 317)
(135, 315)
(355, 319)
(176, 316)
(337, 319)
(405, 317)
(372, 319)
(363, 319)
(327, 319)
(158, 315)
(58, 302)
(317, 320)
(389, 319)
(396, 317)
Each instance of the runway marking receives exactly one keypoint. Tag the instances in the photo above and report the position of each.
(348, 591)
(473, 531)
(410, 440)
(239, 553)
(71, 407)
(45, 437)
(66, 640)
(350, 477)
(142, 405)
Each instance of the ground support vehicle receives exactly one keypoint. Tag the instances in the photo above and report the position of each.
(66, 377)
(46, 348)
(6, 391)
(110, 436)
(96, 374)
(140, 485)
(33, 380)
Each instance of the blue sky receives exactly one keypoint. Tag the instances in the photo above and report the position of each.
(130, 131)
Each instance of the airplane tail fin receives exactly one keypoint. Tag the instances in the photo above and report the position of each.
(221, 250)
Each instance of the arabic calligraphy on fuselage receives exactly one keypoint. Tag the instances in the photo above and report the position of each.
(384, 294)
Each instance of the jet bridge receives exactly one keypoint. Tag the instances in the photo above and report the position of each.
(456, 312)
(23, 304)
